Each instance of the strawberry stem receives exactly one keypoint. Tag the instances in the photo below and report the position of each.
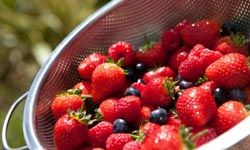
(184, 132)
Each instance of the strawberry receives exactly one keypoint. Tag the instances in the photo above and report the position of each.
(116, 141)
(71, 131)
(208, 56)
(108, 110)
(174, 122)
(196, 107)
(178, 57)
(149, 128)
(230, 71)
(209, 86)
(85, 86)
(145, 113)
(130, 108)
(151, 54)
(196, 51)
(191, 69)
(133, 145)
(139, 86)
(203, 135)
(63, 102)
(105, 77)
(99, 134)
(159, 72)
(178, 27)
(232, 44)
(87, 66)
(158, 92)
(171, 40)
(166, 138)
(122, 50)
(228, 115)
(205, 32)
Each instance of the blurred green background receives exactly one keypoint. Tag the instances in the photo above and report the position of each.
(29, 31)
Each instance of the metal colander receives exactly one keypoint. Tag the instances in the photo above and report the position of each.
(122, 20)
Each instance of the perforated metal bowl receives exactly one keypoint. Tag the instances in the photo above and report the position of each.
(126, 20)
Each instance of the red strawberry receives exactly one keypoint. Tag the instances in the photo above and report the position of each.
(116, 141)
(230, 71)
(228, 115)
(205, 32)
(191, 69)
(133, 145)
(145, 113)
(70, 131)
(85, 86)
(178, 57)
(208, 56)
(209, 86)
(130, 108)
(171, 40)
(87, 66)
(165, 138)
(159, 72)
(158, 92)
(196, 51)
(105, 77)
(64, 102)
(99, 134)
(206, 134)
(108, 109)
(233, 44)
(175, 122)
(139, 86)
(196, 107)
(149, 128)
(181, 25)
(122, 50)
(152, 55)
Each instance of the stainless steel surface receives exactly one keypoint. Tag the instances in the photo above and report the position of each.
(6, 123)
(127, 20)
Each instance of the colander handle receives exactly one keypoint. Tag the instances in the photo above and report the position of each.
(6, 123)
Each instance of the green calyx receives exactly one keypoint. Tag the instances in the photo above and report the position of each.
(184, 132)
(238, 38)
(119, 63)
(201, 80)
(169, 84)
(146, 45)
(98, 115)
(138, 136)
(247, 106)
(70, 92)
(80, 116)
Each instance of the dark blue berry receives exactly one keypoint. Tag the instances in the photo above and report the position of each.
(228, 28)
(140, 68)
(159, 116)
(220, 96)
(130, 74)
(178, 78)
(120, 126)
(140, 81)
(236, 94)
(132, 91)
(185, 84)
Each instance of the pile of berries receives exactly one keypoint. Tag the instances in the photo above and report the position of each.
(175, 94)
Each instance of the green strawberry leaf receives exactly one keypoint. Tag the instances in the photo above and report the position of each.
(184, 132)
(247, 106)
(169, 84)
(201, 80)
(110, 60)
(138, 136)
(238, 38)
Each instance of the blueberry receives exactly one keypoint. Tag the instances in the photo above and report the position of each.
(185, 84)
(141, 81)
(132, 91)
(120, 126)
(130, 74)
(178, 78)
(228, 28)
(140, 67)
(220, 96)
(236, 94)
(159, 116)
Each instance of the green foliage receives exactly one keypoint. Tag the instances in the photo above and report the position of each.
(29, 31)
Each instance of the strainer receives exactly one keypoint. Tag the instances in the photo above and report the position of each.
(126, 20)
